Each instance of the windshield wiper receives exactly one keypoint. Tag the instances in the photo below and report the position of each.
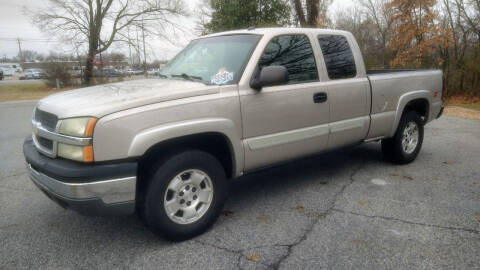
(189, 77)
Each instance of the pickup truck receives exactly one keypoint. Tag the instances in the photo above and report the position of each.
(228, 104)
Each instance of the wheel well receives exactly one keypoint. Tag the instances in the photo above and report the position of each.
(213, 143)
(420, 106)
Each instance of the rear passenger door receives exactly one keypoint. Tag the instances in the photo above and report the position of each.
(348, 91)
(284, 122)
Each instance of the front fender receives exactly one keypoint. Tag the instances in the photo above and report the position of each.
(145, 139)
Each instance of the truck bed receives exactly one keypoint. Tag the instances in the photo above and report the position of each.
(383, 71)
(389, 86)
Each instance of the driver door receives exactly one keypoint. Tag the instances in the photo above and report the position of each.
(286, 121)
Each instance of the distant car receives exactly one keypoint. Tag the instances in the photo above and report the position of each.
(133, 72)
(108, 72)
(1, 74)
(9, 69)
(34, 74)
(75, 73)
(153, 72)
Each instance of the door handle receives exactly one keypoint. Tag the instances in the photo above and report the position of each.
(319, 97)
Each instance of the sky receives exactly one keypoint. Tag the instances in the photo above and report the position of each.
(15, 24)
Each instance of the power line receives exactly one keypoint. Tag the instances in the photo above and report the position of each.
(45, 40)
(11, 38)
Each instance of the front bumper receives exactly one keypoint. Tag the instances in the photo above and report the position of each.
(90, 189)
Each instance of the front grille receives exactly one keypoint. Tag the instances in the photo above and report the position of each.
(47, 120)
(45, 143)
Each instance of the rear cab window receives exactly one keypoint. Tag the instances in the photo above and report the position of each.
(338, 57)
(294, 52)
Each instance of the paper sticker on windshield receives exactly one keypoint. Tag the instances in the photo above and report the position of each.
(222, 77)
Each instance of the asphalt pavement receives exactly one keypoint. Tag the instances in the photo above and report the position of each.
(342, 210)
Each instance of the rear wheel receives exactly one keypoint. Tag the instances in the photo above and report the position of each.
(406, 143)
(185, 195)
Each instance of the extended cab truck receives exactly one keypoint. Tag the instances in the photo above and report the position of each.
(226, 105)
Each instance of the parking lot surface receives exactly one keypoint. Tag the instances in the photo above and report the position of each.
(342, 210)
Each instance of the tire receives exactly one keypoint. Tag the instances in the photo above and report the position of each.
(182, 182)
(397, 149)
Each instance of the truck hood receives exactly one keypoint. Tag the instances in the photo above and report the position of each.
(101, 100)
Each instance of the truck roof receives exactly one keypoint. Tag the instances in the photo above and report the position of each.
(278, 31)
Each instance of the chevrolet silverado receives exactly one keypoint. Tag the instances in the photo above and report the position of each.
(228, 104)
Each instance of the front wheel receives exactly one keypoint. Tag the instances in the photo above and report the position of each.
(406, 143)
(185, 195)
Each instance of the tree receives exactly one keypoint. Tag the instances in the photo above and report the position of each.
(416, 33)
(462, 19)
(380, 15)
(233, 14)
(355, 20)
(312, 13)
(114, 57)
(31, 56)
(99, 23)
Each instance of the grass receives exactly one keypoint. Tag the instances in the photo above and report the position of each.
(26, 91)
(31, 91)
(464, 106)
(474, 106)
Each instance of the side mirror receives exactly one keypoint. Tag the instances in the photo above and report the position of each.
(270, 76)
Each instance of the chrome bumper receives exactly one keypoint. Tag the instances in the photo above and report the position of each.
(113, 196)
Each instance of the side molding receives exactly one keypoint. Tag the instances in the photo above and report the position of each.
(270, 140)
(402, 102)
(149, 137)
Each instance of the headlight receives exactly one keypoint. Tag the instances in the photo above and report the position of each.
(79, 127)
(75, 152)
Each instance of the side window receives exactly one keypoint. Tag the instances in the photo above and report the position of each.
(338, 57)
(294, 52)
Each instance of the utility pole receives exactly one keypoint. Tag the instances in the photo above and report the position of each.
(77, 44)
(129, 47)
(20, 52)
(144, 51)
(137, 48)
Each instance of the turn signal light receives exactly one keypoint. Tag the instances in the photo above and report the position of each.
(88, 153)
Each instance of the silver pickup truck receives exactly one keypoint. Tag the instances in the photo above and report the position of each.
(228, 104)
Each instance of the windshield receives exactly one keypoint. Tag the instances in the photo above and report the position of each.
(215, 60)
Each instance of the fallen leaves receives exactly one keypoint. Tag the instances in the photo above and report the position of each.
(254, 257)
(462, 112)
(264, 219)
(300, 208)
(363, 203)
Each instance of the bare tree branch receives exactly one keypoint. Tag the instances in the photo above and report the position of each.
(101, 23)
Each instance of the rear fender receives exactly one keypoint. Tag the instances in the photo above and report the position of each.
(404, 100)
